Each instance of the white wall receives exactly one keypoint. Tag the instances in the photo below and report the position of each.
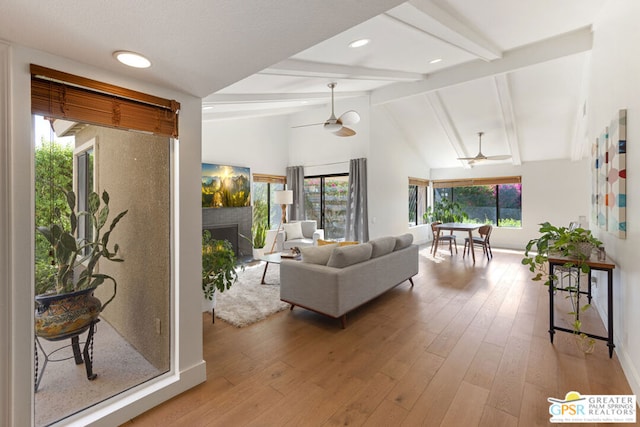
(615, 73)
(557, 191)
(392, 161)
(20, 232)
(258, 143)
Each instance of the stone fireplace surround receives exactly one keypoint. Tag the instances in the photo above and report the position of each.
(214, 217)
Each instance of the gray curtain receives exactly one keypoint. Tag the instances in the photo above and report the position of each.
(295, 182)
(357, 213)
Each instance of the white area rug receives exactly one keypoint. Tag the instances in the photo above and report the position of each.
(247, 301)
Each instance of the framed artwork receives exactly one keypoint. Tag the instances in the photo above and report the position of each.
(225, 186)
(600, 169)
(616, 197)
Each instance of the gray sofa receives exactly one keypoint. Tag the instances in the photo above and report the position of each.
(334, 280)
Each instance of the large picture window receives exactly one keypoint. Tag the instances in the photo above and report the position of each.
(325, 200)
(496, 201)
(264, 210)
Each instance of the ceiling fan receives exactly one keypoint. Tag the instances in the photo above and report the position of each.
(337, 125)
(479, 157)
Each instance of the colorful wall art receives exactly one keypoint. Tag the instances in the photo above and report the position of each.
(225, 186)
(616, 197)
(600, 173)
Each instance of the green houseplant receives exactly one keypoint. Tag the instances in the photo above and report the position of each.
(576, 244)
(218, 265)
(68, 286)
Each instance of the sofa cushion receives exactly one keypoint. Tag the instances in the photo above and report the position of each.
(317, 254)
(348, 255)
(328, 242)
(403, 241)
(382, 246)
(293, 230)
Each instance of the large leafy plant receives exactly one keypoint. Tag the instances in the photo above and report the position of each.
(446, 211)
(72, 254)
(218, 265)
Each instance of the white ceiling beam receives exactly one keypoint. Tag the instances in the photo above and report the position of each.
(536, 53)
(508, 116)
(301, 68)
(249, 98)
(448, 127)
(445, 27)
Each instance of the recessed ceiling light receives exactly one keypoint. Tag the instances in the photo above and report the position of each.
(132, 59)
(359, 43)
(435, 61)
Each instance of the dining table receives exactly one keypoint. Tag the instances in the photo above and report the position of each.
(457, 226)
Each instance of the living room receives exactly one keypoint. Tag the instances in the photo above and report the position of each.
(557, 191)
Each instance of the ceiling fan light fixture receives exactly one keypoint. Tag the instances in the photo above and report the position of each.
(131, 59)
(359, 43)
(332, 126)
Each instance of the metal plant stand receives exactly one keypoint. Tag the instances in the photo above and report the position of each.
(87, 352)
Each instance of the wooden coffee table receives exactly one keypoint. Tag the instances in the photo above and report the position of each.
(275, 258)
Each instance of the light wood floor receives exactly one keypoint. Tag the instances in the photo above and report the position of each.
(466, 346)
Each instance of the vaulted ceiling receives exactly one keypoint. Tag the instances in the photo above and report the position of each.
(515, 70)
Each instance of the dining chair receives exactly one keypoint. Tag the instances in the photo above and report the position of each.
(451, 238)
(482, 241)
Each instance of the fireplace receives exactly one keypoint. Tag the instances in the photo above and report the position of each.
(214, 219)
(227, 232)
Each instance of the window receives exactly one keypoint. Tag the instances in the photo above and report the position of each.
(263, 209)
(84, 184)
(417, 200)
(496, 201)
(325, 200)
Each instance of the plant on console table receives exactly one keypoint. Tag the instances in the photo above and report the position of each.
(576, 244)
(65, 302)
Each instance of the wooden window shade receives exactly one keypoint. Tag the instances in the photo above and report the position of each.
(419, 182)
(272, 179)
(448, 183)
(66, 96)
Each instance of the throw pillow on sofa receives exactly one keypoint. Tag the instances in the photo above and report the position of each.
(293, 230)
(329, 242)
(317, 254)
(403, 241)
(382, 246)
(348, 255)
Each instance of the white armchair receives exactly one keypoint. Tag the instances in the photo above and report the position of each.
(284, 241)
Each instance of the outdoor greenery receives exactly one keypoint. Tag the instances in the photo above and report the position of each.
(53, 171)
(218, 265)
(576, 244)
(446, 211)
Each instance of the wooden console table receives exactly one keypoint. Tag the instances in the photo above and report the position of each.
(606, 266)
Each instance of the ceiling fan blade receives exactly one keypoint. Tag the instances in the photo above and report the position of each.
(310, 124)
(499, 157)
(467, 158)
(350, 117)
(345, 131)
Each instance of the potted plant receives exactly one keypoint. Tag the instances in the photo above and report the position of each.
(65, 302)
(575, 243)
(257, 239)
(218, 268)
